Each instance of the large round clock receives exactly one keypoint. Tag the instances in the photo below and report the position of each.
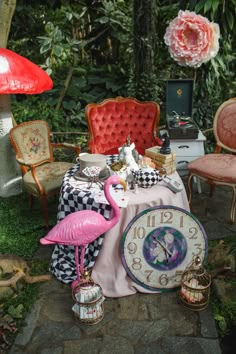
(159, 243)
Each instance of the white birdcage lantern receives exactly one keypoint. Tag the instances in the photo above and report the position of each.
(195, 286)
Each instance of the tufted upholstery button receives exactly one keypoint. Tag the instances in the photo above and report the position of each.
(112, 120)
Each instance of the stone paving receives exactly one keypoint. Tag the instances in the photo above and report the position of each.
(135, 324)
(141, 323)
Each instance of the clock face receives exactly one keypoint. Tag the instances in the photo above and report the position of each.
(158, 245)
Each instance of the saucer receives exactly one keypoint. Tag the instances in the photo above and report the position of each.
(103, 175)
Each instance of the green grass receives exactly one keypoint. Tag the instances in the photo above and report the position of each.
(20, 231)
(20, 227)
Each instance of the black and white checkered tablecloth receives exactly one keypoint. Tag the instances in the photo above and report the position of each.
(72, 199)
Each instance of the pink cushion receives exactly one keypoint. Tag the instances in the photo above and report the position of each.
(217, 167)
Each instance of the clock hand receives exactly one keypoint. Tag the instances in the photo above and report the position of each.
(164, 247)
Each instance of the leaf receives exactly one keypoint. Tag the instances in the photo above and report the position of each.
(49, 71)
(218, 317)
(199, 5)
(215, 5)
(16, 312)
(103, 19)
(45, 48)
(69, 16)
(222, 324)
(207, 5)
(192, 3)
(230, 19)
(57, 50)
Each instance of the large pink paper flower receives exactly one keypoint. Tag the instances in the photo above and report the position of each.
(192, 39)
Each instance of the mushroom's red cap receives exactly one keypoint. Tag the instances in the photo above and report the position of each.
(19, 75)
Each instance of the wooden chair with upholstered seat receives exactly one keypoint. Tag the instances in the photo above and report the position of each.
(111, 121)
(42, 177)
(219, 169)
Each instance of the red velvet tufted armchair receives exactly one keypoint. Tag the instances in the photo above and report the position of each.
(219, 169)
(111, 121)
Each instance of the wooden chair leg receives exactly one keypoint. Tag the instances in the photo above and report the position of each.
(233, 206)
(212, 188)
(31, 201)
(190, 186)
(45, 209)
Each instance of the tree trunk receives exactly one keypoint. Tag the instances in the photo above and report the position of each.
(10, 173)
(144, 48)
(7, 9)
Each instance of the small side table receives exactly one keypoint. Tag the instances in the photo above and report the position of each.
(188, 150)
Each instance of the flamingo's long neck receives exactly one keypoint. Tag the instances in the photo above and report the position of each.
(115, 214)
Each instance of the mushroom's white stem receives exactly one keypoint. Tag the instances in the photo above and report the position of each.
(10, 172)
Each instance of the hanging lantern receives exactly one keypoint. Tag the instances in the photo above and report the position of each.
(89, 306)
(195, 286)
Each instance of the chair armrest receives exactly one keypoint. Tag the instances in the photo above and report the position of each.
(21, 161)
(207, 131)
(67, 146)
(65, 136)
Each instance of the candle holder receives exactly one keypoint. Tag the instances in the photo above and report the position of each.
(195, 286)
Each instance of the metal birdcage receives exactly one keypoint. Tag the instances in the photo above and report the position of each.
(89, 306)
(195, 286)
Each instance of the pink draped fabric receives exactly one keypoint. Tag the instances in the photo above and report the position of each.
(108, 271)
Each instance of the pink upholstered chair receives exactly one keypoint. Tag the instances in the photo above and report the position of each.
(42, 177)
(219, 168)
(111, 121)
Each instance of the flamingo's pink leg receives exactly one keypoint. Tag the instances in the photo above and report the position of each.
(77, 263)
(76, 282)
(82, 260)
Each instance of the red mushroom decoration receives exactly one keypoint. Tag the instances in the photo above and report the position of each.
(17, 75)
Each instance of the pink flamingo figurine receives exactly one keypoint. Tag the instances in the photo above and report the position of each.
(83, 227)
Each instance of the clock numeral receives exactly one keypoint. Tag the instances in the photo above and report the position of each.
(151, 221)
(137, 265)
(163, 280)
(181, 221)
(149, 273)
(198, 248)
(166, 217)
(193, 230)
(139, 232)
(178, 276)
(132, 247)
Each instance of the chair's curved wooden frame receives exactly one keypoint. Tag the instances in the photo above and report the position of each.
(218, 148)
(155, 125)
(25, 167)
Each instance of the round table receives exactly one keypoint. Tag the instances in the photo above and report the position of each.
(108, 270)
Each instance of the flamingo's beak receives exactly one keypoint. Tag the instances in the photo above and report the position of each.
(123, 183)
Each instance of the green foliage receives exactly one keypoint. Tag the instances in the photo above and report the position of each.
(16, 308)
(95, 42)
(27, 108)
(21, 237)
(16, 312)
(224, 315)
(215, 80)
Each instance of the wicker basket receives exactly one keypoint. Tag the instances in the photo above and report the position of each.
(89, 302)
